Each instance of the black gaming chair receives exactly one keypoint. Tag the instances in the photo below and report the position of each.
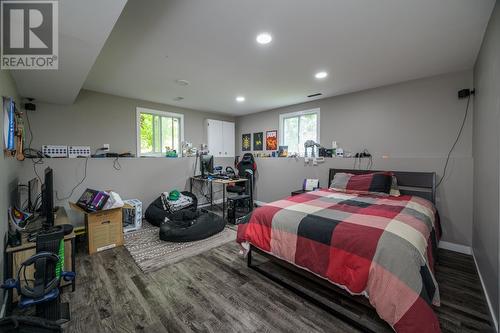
(247, 163)
(243, 201)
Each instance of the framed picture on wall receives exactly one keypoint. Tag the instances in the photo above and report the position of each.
(272, 140)
(258, 141)
(246, 143)
(283, 151)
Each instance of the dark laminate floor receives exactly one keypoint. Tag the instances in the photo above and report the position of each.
(216, 292)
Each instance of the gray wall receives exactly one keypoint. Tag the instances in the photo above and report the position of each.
(8, 165)
(486, 159)
(95, 119)
(139, 178)
(412, 124)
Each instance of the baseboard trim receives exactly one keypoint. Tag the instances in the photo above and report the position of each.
(455, 247)
(490, 307)
(207, 204)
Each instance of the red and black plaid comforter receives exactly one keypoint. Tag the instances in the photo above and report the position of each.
(380, 247)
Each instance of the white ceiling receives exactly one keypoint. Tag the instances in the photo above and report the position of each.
(211, 43)
(84, 26)
(361, 43)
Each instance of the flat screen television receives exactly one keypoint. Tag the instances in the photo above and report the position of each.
(48, 198)
(206, 165)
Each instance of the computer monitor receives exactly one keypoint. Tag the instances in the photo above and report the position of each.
(48, 198)
(32, 194)
(206, 165)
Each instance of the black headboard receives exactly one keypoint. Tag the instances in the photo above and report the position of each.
(421, 184)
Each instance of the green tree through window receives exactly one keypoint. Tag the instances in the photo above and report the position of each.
(146, 133)
(159, 132)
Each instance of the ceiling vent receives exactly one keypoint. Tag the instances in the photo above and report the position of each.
(314, 95)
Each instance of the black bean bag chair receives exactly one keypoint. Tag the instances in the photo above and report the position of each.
(204, 225)
(155, 214)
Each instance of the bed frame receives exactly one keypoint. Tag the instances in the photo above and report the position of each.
(422, 184)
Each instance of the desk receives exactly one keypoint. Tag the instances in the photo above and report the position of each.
(223, 182)
(18, 254)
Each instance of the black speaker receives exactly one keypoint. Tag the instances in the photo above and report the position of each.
(14, 238)
(464, 93)
(30, 106)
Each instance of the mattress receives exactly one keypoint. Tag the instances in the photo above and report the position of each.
(378, 246)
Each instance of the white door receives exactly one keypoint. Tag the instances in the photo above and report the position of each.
(228, 138)
(215, 140)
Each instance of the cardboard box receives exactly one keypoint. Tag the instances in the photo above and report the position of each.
(104, 228)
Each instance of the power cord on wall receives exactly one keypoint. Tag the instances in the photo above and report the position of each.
(36, 157)
(116, 164)
(358, 157)
(78, 184)
(29, 128)
(458, 136)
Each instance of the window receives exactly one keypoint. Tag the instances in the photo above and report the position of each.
(298, 127)
(157, 131)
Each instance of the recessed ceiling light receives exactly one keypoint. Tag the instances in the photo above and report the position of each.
(321, 75)
(182, 83)
(240, 99)
(264, 38)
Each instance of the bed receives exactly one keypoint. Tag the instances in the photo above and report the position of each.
(379, 247)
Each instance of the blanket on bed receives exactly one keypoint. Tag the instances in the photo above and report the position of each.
(380, 247)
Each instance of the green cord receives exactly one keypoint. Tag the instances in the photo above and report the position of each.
(60, 263)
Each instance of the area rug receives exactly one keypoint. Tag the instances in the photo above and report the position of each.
(150, 253)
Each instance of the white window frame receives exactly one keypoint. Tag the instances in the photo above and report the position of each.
(140, 110)
(284, 116)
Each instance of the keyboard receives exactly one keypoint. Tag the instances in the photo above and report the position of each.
(220, 177)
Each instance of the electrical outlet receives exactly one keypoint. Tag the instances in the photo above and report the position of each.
(105, 147)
